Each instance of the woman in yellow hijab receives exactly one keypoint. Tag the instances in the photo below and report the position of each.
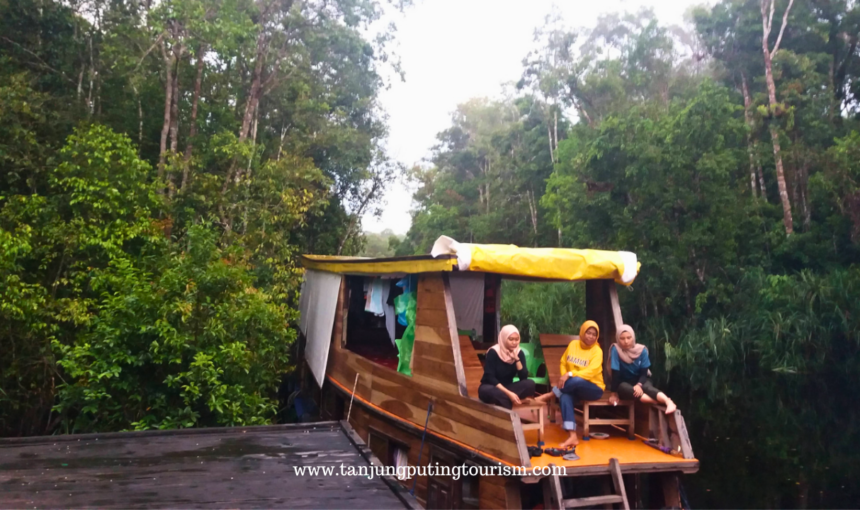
(581, 377)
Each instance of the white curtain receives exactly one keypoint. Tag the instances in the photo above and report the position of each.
(317, 305)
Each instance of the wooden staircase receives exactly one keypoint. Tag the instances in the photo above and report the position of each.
(553, 497)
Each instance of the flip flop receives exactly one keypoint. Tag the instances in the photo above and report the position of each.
(599, 435)
(558, 452)
(535, 451)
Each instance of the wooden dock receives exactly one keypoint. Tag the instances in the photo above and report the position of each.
(238, 467)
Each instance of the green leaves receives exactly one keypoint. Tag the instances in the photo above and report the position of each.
(216, 348)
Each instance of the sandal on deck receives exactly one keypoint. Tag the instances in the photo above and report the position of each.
(535, 451)
(571, 455)
(558, 452)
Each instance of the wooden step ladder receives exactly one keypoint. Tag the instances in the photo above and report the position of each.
(553, 497)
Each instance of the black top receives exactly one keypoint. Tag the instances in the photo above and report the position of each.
(497, 371)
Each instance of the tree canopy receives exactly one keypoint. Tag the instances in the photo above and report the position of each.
(161, 166)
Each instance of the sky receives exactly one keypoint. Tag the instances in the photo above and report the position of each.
(455, 50)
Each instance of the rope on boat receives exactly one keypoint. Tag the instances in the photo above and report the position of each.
(354, 386)
(421, 449)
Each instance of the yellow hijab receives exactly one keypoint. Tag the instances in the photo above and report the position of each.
(584, 328)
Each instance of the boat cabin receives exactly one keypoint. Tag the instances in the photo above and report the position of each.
(395, 347)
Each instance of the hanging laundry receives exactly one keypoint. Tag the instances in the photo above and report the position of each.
(375, 297)
(407, 284)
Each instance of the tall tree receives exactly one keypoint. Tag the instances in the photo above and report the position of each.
(767, 11)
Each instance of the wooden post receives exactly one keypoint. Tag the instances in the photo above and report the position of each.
(686, 445)
(664, 433)
(633, 484)
(618, 481)
(671, 490)
(552, 496)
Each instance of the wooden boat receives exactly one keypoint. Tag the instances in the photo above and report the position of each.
(433, 417)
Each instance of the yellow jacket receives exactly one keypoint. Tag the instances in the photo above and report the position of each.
(585, 363)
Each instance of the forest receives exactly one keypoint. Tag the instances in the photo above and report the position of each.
(163, 164)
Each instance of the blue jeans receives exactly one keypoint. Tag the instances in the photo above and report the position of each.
(575, 388)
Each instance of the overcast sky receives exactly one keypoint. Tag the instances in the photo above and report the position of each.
(454, 50)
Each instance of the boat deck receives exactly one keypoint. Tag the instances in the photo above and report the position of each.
(241, 467)
(633, 455)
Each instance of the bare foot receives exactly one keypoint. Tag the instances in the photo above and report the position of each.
(546, 397)
(670, 407)
(571, 441)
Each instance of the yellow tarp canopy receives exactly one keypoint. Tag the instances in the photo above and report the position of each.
(553, 263)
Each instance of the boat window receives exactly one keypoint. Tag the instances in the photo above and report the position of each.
(371, 322)
(387, 450)
(379, 445)
(469, 492)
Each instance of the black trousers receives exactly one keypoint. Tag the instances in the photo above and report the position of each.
(625, 390)
(489, 394)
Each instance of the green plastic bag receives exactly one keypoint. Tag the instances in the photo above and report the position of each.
(408, 304)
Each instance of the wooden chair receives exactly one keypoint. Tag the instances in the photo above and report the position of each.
(587, 420)
(553, 347)
(537, 422)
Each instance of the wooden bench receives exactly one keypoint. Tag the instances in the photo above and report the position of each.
(553, 347)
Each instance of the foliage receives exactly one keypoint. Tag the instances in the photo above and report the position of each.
(667, 152)
(778, 365)
(381, 244)
(162, 165)
(180, 342)
(537, 308)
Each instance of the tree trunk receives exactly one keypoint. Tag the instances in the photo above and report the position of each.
(766, 20)
(281, 145)
(748, 119)
(192, 128)
(549, 136)
(803, 184)
(91, 76)
(533, 212)
(174, 118)
(248, 174)
(168, 103)
(250, 106)
(489, 168)
(780, 179)
(139, 119)
(174, 106)
(256, 83)
(559, 228)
